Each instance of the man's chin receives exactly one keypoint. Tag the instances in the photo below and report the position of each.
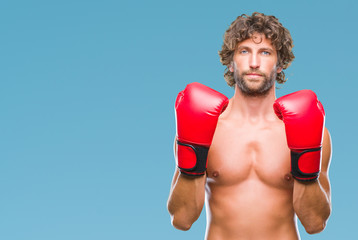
(254, 85)
(254, 90)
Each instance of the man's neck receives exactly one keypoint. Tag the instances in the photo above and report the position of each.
(253, 108)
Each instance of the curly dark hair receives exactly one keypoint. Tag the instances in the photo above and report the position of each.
(243, 28)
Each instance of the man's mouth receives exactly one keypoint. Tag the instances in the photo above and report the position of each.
(254, 75)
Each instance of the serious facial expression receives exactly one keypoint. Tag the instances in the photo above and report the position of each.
(255, 65)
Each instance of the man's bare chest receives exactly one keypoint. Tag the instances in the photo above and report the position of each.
(238, 154)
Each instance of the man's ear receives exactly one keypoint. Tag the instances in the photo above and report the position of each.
(279, 69)
(231, 67)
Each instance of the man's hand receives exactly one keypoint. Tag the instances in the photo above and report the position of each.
(197, 111)
(304, 117)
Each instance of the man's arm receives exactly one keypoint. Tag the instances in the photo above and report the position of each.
(312, 201)
(197, 112)
(186, 198)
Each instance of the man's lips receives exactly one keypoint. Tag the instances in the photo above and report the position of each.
(254, 75)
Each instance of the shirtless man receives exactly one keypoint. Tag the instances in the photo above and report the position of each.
(251, 188)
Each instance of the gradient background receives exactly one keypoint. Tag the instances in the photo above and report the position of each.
(87, 118)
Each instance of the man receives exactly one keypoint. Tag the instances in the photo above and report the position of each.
(257, 161)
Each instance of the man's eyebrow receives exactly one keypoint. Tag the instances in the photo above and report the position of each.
(260, 49)
(267, 49)
(242, 46)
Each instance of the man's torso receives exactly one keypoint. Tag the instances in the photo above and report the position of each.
(249, 186)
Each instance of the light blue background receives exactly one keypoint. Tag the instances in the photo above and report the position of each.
(87, 120)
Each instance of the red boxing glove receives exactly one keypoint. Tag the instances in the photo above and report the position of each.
(197, 111)
(304, 117)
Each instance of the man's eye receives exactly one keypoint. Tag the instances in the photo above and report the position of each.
(244, 51)
(266, 53)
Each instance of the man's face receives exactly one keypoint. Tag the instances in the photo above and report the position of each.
(255, 65)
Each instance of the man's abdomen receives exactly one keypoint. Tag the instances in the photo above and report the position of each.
(250, 210)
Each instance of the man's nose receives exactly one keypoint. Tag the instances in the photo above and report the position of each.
(254, 61)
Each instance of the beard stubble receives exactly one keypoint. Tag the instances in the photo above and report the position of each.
(259, 91)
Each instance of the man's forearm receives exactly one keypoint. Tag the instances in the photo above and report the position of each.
(311, 203)
(186, 200)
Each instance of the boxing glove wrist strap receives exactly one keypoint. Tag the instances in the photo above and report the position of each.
(303, 168)
(198, 166)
